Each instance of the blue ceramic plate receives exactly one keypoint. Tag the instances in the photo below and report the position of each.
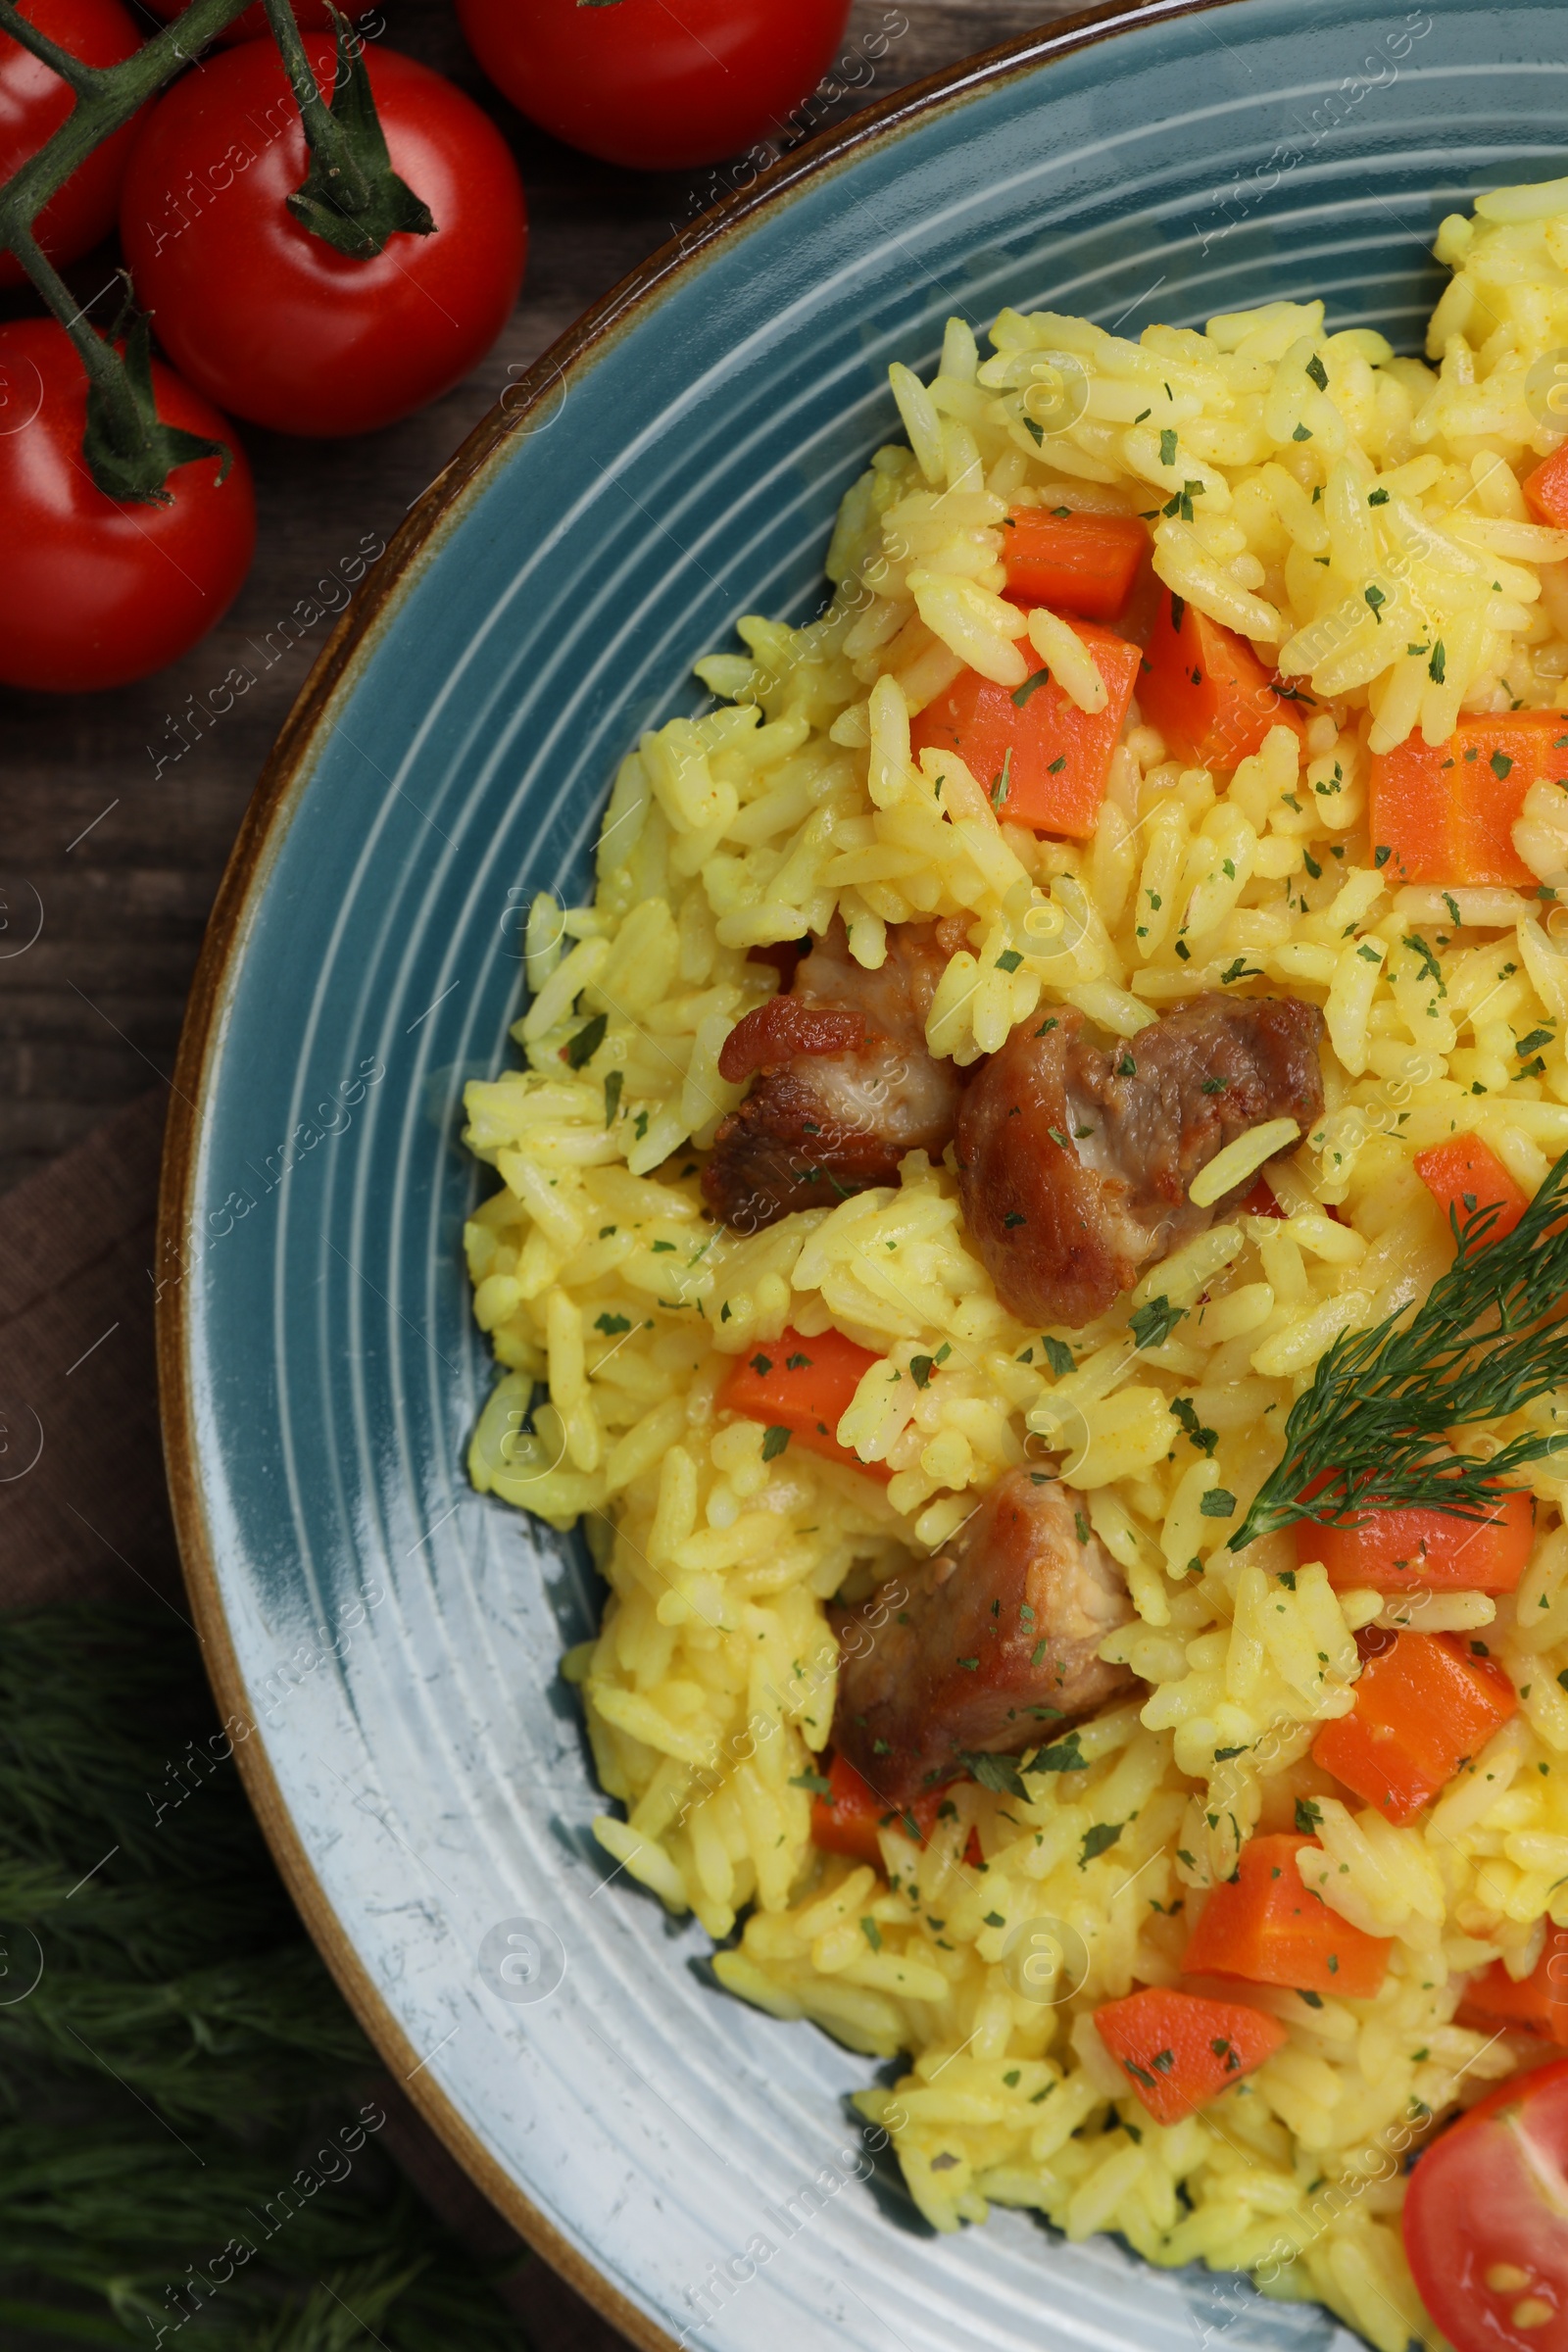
(675, 463)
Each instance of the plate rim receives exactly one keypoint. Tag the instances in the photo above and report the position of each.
(262, 828)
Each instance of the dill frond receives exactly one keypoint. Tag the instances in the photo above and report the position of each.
(1374, 1424)
(182, 2091)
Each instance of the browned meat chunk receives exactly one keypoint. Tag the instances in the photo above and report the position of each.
(994, 1649)
(845, 1085)
(1075, 1156)
(784, 1028)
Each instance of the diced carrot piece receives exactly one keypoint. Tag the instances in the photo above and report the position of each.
(1043, 762)
(1547, 489)
(1445, 812)
(1466, 1178)
(1206, 690)
(847, 1818)
(1419, 1550)
(1538, 2001)
(1423, 1706)
(1082, 563)
(1181, 2049)
(1267, 1925)
(804, 1388)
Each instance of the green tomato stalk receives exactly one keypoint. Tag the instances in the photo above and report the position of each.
(350, 197)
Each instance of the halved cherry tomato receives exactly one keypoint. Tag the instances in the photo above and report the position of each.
(35, 102)
(1486, 2220)
(803, 1388)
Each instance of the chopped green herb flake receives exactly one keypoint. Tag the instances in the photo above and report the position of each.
(1152, 1324)
(582, 1047)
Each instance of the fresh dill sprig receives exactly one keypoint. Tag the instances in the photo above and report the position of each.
(189, 2152)
(1370, 1434)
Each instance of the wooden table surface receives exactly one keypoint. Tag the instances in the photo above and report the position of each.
(118, 810)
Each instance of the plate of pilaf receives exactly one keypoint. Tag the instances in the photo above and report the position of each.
(862, 1277)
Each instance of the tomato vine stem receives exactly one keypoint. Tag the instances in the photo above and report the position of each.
(351, 197)
(128, 456)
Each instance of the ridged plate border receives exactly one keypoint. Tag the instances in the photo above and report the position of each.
(418, 1771)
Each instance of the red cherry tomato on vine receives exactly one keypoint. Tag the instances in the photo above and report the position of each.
(268, 320)
(1486, 2220)
(35, 102)
(94, 593)
(660, 84)
(308, 14)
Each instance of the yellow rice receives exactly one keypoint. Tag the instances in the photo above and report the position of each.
(710, 1688)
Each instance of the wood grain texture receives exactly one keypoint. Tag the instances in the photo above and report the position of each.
(118, 810)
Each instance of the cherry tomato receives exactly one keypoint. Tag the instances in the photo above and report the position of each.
(660, 84)
(308, 14)
(94, 593)
(1486, 2220)
(269, 320)
(35, 102)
